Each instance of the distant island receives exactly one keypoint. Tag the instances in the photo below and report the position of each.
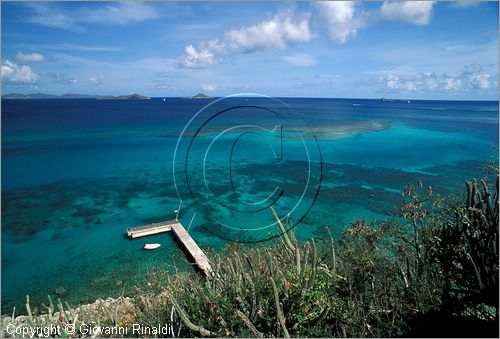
(201, 96)
(133, 96)
(400, 100)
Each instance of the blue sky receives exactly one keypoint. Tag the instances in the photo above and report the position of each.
(419, 50)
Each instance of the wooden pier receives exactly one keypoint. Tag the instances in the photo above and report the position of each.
(182, 235)
(155, 228)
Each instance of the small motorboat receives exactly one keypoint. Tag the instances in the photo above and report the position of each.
(151, 246)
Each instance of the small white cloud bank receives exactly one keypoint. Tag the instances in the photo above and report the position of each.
(414, 12)
(278, 32)
(29, 57)
(472, 77)
(14, 73)
(96, 80)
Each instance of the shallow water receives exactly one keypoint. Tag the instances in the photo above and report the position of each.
(76, 173)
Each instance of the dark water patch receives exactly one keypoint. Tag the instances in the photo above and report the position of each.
(23, 230)
(61, 203)
(6, 261)
(444, 178)
(28, 211)
(86, 213)
(57, 237)
(379, 201)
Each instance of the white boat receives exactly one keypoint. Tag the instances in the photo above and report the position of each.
(151, 246)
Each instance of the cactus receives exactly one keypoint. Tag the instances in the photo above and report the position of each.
(279, 311)
(49, 308)
(253, 297)
(310, 284)
(270, 260)
(239, 264)
(239, 298)
(185, 319)
(72, 312)
(62, 314)
(283, 231)
(249, 324)
(215, 276)
(28, 307)
(468, 248)
(297, 259)
(250, 264)
(334, 259)
(283, 280)
(304, 261)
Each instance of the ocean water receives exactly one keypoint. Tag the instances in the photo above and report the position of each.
(76, 173)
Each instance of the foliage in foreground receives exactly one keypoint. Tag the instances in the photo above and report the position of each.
(431, 271)
(437, 263)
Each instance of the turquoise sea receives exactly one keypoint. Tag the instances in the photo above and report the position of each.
(77, 172)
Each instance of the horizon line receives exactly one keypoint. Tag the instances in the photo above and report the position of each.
(60, 96)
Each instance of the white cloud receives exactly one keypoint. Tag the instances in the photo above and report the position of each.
(452, 84)
(431, 82)
(341, 19)
(481, 81)
(96, 80)
(18, 74)
(276, 33)
(406, 83)
(196, 58)
(472, 77)
(414, 12)
(300, 60)
(31, 57)
(208, 87)
(121, 13)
